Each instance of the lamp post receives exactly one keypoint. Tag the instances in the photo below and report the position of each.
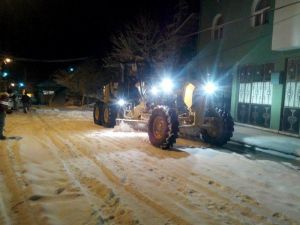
(4, 61)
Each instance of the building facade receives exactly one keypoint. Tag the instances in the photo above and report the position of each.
(256, 45)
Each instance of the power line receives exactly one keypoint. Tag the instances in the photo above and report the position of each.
(52, 60)
(47, 60)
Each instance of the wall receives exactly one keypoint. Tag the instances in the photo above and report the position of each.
(286, 32)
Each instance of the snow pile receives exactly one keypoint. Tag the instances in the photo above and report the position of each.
(123, 127)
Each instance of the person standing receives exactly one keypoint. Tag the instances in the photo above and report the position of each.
(3, 109)
(14, 99)
(26, 102)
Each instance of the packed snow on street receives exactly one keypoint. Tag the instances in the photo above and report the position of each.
(59, 168)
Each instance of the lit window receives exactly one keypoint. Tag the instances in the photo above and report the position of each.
(218, 27)
(260, 12)
(46, 92)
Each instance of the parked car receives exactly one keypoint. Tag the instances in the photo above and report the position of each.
(14, 106)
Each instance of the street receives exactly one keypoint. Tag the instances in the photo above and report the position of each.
(58, 167)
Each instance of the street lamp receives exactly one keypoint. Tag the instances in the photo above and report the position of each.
(5, 74)
(7, 60)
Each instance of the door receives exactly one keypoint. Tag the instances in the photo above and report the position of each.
(255, 94)
(291, 111)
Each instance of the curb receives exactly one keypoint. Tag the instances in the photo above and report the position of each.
(267, 130)
(265, 149)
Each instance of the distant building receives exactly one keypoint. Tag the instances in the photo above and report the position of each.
(255, 46)
(48, 90)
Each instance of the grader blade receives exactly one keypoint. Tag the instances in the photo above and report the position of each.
(130, 125)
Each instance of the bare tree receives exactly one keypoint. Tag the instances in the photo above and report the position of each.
(148, 41)
(84, 81)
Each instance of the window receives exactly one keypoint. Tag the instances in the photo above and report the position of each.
(46, 92)
(218, 27)
(260, 12)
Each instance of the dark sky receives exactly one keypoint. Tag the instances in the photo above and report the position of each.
(67, 28)
(59, 29)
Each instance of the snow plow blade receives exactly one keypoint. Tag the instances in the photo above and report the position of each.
(137, 125)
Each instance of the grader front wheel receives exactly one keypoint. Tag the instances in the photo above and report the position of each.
(163, 127)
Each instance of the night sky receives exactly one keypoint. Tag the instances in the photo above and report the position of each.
(59, 29)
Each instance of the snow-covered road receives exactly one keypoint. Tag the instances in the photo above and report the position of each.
(60, 168)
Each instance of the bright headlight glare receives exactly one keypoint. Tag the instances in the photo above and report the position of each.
(121, 102)
(210, 88)
(167, 85)
(154, 90)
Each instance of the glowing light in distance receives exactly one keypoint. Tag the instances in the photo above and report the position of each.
(7, 60)
(210, 88)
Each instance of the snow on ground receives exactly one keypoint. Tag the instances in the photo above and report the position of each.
(74, 113)
(59, 168)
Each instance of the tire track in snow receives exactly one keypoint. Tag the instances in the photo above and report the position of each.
(212, 195)
(40, 202)
(129, 188)
(18, 212)
(77, 179)
(71, 175)
(140, 196)
(236, 203)
(4, 219)
(114, 179)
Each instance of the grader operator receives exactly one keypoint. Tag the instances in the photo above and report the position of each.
(165, 110)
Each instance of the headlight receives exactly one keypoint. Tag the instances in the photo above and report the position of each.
(167, 85)
(154, 90)
(121, 102)
(210, 88)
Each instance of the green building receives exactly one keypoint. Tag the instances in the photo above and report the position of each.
(255, 46)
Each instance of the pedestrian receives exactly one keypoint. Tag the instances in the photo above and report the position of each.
(14, 99)
(3, 108)
(26, 102)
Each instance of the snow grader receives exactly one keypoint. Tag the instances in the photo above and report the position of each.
(164, 110)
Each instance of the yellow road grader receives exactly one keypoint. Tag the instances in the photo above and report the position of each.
(164, 110)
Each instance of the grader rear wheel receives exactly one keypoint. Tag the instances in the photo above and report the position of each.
(97, 113)
(224, 128)
(163, 127)
(109, 113)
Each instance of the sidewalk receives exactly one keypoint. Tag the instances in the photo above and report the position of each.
(266, 140)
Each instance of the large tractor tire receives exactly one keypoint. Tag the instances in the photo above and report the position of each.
(163, 127)
(97, 113)
(109, 115)
(225, 128)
